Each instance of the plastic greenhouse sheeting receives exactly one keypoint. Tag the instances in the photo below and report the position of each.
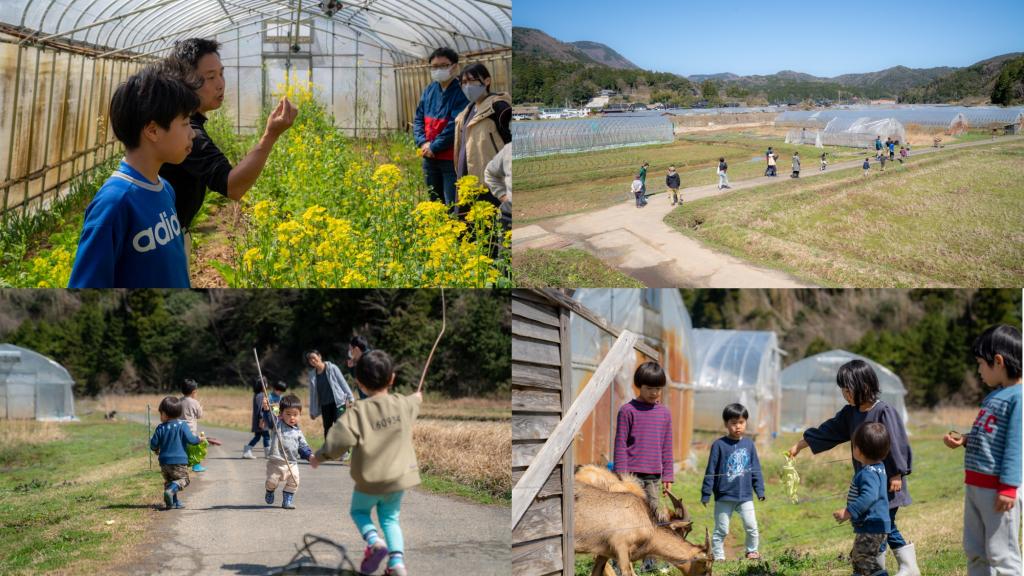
(34, 386)
(542, 137)
(811, 396)
(737, 366)
(939, 116)
(854, 132)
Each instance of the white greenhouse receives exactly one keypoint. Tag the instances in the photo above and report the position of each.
(812, 396)
(62, 59)
(33, 386)
(859, 132)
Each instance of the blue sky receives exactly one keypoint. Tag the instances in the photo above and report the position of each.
(820, 38)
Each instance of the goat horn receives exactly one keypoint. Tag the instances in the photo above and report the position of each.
(681, 511)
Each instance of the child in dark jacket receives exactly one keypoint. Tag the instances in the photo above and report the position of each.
(859, 385)
(672, 182)
(262, 421)
(992, 460)
(734, 475)
(867, 506)
(169, 441)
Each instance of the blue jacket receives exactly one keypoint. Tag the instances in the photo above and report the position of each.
(131, 237)
(169, 440)
(733, 472)
(867, 502)
(435, 118)
(992, 458)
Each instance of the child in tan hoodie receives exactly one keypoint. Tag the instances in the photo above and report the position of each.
(379, 432)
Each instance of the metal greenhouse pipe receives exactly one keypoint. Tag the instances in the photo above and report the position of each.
(49, 117)
(101, 22)
(355, 131)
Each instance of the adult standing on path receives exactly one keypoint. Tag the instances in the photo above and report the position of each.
(878, 146)
(723, 176)
(206, 167)
(770, 157)
(643, 183)
(434, 124)
(329, 393)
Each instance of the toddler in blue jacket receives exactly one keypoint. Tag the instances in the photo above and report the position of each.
(867, 502)
(169, 441)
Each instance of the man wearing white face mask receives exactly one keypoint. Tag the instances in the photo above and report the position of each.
(434, 124)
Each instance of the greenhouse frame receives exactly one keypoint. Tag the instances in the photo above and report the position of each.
(812, 396)
(33, 386)
(949, 118)
(859, 132)
(543, 137)
(62, 60)
(741, 366)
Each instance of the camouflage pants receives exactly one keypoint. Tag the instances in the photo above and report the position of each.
(864, 555)
(175, 473)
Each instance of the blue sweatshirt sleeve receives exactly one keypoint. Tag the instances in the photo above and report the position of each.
(709, 473)
(418, 132)
(446, 139)
(755, 472)
(829, 433)
(1009, 472)
(99, 245)
(189, 436)
(868, 486)
(154, 442)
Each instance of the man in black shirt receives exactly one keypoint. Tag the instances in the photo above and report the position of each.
(206, 166)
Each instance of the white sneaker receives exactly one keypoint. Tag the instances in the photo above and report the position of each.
(247, 452)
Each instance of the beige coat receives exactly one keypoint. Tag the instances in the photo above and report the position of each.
(482, 141)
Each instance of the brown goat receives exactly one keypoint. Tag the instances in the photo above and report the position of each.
(620, 525)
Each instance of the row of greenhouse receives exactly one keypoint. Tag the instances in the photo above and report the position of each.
(706, 369)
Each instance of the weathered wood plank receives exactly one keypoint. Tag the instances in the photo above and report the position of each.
(533, 426)
(535, 351)
(568, 461)
(529, 484)
(536, 376)
(552, 486)
(596, 319)
(540, 558)
(530, 329)
(542, 519)
(536, 312)
(523, 454)
(536, 400)
(532, 295)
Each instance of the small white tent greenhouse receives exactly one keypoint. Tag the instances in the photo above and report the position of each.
(33, 386)
(738, 366)
(812, 396)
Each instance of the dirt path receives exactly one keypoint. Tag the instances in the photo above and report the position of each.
(218, 233)
(639, 243)
(227, 528)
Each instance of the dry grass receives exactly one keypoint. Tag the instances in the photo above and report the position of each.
(474, 453)
(28, 432)
(956, 417)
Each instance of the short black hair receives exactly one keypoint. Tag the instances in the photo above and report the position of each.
(171, 406)
(309, 353)
(860, 379)
(290, 401)
(476, 71)
(154, 94)
(1004, 340)
(649, 374)
(359, 342)
(374, 370)
(188, 386)
(734, 411)
(872, 439)
(186, 54)
(280, 386)
(258, 383)
(444, 52)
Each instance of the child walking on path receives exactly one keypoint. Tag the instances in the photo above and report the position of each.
(286, 466)
(859, 385)
(169, 441)
(378, 430)
(723, 174)
(672, 181)
(638, 191)
(866, 166)
(191, 412)
(992, 459)
(734, 476)
(796, 165)
(824, 161)
(866, 506)
(643, 437)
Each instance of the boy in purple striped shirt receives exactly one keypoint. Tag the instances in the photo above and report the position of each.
(643, 436)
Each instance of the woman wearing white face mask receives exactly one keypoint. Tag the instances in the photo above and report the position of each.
(482, 129)
(434, 124)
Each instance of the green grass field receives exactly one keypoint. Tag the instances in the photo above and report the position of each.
(803, 539)
(74, 503)
(569, 268)
(952, 218)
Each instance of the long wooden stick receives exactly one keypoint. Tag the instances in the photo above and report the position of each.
(444, 320)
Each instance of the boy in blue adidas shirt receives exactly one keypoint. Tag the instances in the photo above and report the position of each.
(131, 237)
(992, 460)
(867, 502)
(169, 441)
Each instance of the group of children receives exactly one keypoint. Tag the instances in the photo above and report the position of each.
(882, 460)
(377, 430)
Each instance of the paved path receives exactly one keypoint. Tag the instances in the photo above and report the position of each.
(640, 244)
(228, 529)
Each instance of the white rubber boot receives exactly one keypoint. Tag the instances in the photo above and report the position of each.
(881, 559)
(247, 452)
(907, 557)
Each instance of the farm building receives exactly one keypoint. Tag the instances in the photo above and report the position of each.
(61, 61)
(811, 395)
(563, 136)
(659, 316)
(33, 386)
(546, 415)
(738, 366)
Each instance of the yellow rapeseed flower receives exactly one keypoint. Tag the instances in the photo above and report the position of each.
(387, 175)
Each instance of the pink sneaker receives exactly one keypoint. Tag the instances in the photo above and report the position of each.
(372, 557)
